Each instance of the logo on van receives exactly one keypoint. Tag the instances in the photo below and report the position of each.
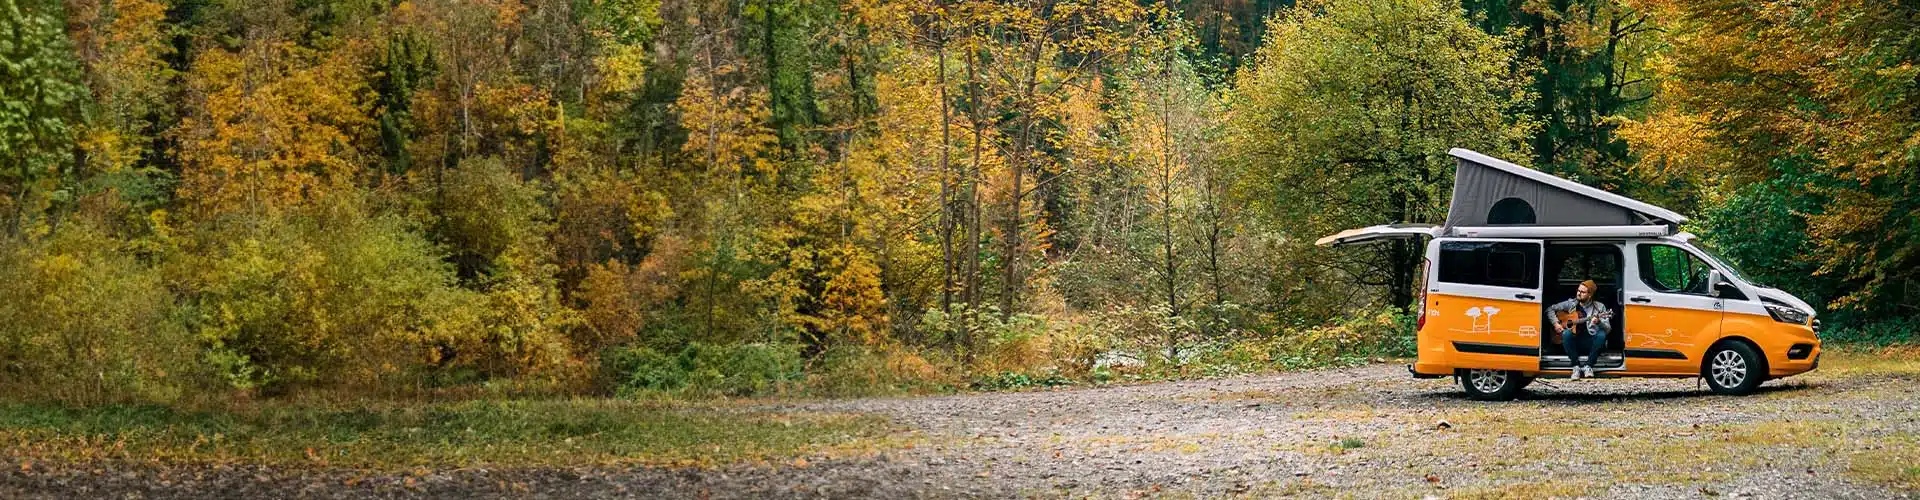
(1482, 318)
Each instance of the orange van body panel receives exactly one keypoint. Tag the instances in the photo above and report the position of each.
(1655, 328)
(1474, 320)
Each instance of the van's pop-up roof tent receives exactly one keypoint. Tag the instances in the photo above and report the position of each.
(1490, 191)
(1495, 198)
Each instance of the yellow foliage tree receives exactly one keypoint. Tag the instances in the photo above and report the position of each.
(271, 126)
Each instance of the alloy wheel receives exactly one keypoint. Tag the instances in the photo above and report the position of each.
(1729, 368)
(1488, 381)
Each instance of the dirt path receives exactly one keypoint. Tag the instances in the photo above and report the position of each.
(1369, 432)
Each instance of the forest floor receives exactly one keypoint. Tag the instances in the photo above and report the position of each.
(1848, 430)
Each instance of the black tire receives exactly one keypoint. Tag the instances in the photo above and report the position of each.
(1491, 385)
(1733, 368)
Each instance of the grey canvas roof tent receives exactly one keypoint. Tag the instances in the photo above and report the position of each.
(1488, 189)
(1496, 198)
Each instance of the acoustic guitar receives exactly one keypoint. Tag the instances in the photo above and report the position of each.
(1572, 318)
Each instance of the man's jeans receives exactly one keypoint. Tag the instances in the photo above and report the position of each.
(1578, 344)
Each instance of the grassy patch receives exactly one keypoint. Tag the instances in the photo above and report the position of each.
(499, 433)
(1532, 490)
(1894, 461)
(1845, 361)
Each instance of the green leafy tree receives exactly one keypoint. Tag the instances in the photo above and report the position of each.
(40, 95)
(1590, 56)
(1346, 116)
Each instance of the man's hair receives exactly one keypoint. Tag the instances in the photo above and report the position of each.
(1591, 286)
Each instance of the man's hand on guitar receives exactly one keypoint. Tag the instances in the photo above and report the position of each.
(1597, 317)
(1573, 317)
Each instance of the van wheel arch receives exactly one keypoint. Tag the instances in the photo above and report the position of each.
(1744, 340)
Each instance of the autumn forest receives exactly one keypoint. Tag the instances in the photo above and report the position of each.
(692, 198)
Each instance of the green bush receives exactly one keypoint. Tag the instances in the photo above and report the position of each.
(1876, 333)
(704, 369)
(1018, 380)
(495, 229)
(327, 295)
(638, 369)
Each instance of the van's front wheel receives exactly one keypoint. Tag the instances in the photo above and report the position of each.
(1734, 368)
(1492, 385)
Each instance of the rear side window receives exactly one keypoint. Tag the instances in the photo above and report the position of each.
(1491, 263)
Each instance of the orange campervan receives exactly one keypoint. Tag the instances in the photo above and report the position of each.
(1517, 240)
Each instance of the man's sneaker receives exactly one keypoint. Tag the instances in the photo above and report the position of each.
(1589, 371)
(1576, 373)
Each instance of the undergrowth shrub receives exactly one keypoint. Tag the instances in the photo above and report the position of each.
(862, 370)
(495, 230)
(704, 369)
(1153, 334)
(1024, 345)
(323, 295)
(1875, 333)
(84, 320)
(1350, 340)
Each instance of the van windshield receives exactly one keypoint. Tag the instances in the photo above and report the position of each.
(1721, 262)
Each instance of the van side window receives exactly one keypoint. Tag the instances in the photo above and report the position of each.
(1667, 268)
(1491, 263)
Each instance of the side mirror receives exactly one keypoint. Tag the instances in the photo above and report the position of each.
(1713, 277)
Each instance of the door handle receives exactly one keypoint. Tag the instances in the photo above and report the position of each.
(1523, 296)
(1641, 299)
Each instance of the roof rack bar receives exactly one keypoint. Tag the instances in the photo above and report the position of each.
(1646, 231)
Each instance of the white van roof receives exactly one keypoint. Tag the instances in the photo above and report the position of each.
(1386, 232)
(1483, 186)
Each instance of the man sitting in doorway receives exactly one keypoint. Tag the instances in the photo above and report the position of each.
(1582, 325)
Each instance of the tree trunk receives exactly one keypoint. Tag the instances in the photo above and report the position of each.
(1547, 107)
(1010, 271)
(970, 294)
(20, 196)
(946, 179)
(1167, 256)
(1023, 151)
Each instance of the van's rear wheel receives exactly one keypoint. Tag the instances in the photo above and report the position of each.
(1492, 385)
(1734, 368)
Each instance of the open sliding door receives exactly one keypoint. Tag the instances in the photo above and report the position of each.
(1483, 303)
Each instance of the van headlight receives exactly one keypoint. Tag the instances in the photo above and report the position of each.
(1787, 314)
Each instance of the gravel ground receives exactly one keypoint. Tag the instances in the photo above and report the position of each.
(1368, 432)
